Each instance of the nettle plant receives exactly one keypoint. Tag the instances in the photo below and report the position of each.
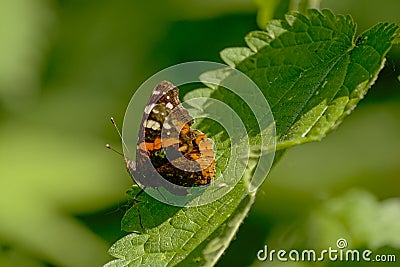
(313, 70)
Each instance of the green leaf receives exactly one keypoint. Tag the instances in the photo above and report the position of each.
(313, 71)
(168, 242)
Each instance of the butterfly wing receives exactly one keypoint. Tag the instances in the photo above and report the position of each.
(167, 145)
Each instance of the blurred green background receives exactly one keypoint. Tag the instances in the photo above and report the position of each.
(67, 66)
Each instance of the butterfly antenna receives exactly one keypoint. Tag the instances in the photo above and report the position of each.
(120, 136)
(113, 149)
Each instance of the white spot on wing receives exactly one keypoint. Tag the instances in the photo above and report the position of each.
(156, 92)
(152, 124)
(166, 126)
(169, 105)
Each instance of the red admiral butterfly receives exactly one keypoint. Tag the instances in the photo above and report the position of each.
(167, 146)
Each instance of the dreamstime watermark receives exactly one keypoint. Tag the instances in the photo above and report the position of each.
(340, 253)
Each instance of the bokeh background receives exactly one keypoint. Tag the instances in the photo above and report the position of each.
(67, 66)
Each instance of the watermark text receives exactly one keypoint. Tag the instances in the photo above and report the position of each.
(340, 253)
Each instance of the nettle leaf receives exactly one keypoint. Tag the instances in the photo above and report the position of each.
(313, 71)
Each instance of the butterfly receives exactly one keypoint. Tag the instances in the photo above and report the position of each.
(169, 153)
